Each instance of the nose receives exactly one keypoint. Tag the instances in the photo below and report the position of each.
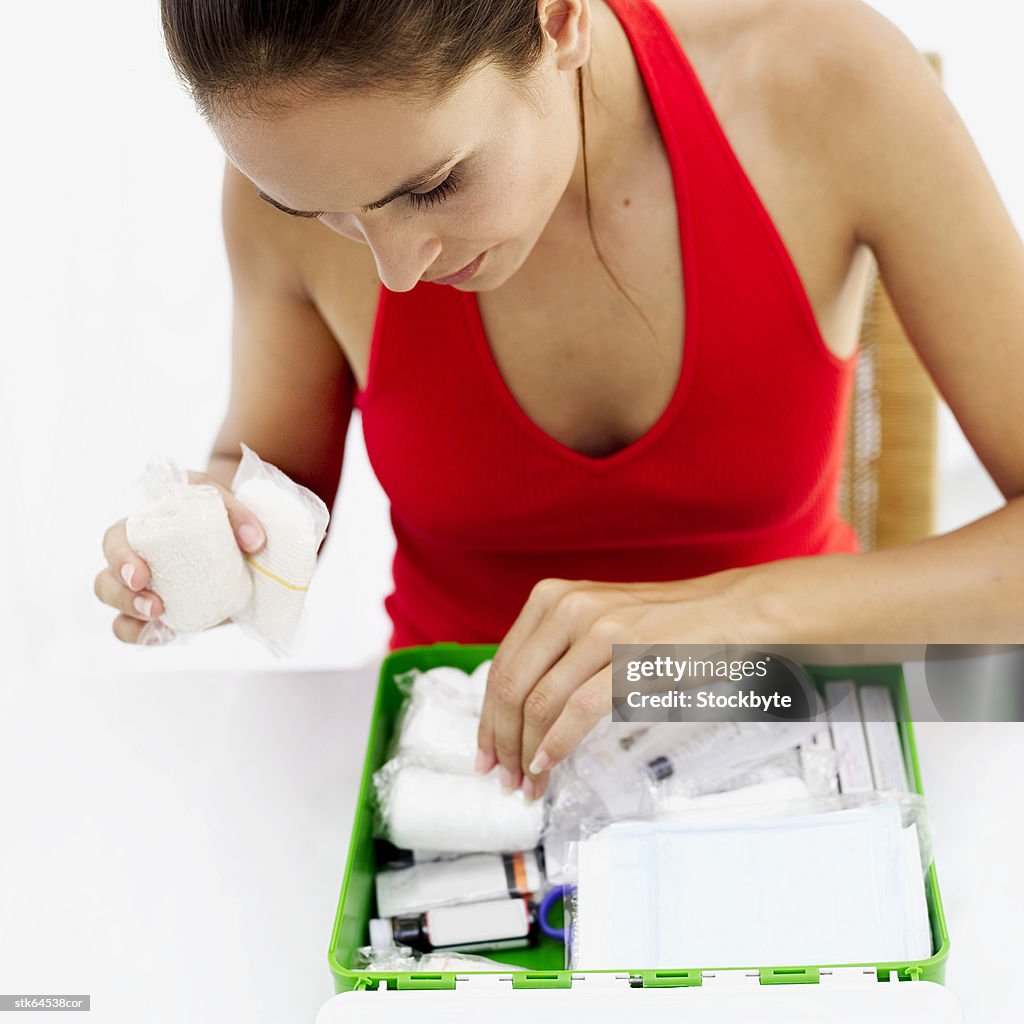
(401, 250)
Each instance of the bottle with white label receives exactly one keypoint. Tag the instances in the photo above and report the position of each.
(466, 928)
(469, 879)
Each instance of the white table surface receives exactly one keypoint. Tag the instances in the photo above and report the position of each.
(174, 844)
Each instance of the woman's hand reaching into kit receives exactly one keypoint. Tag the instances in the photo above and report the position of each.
(551, 680)
(125, 581)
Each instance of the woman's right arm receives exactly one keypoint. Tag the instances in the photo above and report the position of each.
(291, 388)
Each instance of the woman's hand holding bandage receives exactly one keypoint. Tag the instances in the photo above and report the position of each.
(123, 583)
(551, 680)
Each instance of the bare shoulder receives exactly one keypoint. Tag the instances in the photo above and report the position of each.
(817, 58)
(845, 91)
(801, 57)
(833, 82)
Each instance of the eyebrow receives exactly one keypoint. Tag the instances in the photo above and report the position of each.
(407, 186)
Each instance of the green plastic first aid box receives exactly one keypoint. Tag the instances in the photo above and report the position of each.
(801, 994)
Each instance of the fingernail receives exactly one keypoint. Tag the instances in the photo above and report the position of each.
(143, 605)
(128, 574)
(250, 536)
(529, 790)
(505, 778)
(540, 763)
(482, 761)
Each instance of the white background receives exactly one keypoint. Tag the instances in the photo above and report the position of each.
(114, 326)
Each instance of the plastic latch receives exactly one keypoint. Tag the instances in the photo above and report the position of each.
(668, 979)
(541, 979)
(911, 974)
(417, 981)
(788, 975)
(848, 976)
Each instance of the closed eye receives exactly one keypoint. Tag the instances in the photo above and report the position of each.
(438, 194)
(420, 200)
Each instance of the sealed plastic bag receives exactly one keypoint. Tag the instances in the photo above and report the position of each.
(438, 721)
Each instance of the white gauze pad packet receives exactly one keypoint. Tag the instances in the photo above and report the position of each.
(295, 521)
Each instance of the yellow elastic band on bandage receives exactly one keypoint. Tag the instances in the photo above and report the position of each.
(271, 576)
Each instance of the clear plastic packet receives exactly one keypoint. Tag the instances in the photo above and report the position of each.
(780, 776)
(571, 802)
(627, 771)
(707, 748)
(183, 533)
(295, 521)
(820, 765)
(405, 958)
(438, 720)
(465, 690)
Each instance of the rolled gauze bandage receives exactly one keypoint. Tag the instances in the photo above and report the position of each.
(186, 539)
(424, 809)
(198, 570)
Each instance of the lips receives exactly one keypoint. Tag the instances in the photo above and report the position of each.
(460, 275)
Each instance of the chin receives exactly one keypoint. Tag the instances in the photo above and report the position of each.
(494, 273)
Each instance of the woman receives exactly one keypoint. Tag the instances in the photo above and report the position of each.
(623, 250)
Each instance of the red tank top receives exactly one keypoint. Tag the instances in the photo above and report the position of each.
(742, 467)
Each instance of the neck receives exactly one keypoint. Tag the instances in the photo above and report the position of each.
(618, 117)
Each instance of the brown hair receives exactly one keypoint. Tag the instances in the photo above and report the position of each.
(231, 51)
(255, 54)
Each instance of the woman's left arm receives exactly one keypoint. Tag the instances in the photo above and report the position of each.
(953, 263)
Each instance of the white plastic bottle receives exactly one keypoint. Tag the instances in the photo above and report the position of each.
(466, 927)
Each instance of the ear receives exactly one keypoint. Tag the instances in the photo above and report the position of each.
(566, 26)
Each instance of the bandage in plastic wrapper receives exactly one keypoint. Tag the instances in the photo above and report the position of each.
(439, 719)
(295, 521)
(713, 887)
(405, 958)
(202, 577)
(466, 689)
(418, 808)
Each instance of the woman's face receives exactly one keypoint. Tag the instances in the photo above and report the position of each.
(480, 173)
